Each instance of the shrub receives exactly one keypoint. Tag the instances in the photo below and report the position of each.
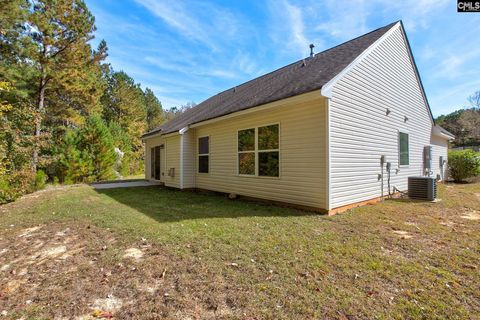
(40, 179)
(463, 164)
(16, 184)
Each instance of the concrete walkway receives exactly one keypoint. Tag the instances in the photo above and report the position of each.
(125, 184)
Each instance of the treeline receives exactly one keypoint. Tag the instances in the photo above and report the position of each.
(464, 123)
(65, 115)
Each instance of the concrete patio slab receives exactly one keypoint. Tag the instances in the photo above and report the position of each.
(125, 184)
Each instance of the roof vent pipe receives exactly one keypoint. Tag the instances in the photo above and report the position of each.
(311, 50)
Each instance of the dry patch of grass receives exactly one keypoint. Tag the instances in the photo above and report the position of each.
(152, 253)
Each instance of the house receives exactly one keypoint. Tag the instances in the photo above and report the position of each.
(317, 133)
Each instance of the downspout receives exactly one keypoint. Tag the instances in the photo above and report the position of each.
(181, 132)
(327, 157)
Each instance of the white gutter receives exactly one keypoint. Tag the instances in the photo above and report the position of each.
(436, 131)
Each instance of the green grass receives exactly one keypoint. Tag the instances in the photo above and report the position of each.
(292, 264)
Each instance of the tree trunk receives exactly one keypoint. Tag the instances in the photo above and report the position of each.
(38, 120)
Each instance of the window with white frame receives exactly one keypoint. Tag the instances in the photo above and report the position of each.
(403, 149)
(203, 154)
(259, 151)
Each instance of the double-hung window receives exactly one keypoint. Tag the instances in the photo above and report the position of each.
(259, 151)
(203, 154)
(403, 149)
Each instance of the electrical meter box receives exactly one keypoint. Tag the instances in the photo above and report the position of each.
(427, 160)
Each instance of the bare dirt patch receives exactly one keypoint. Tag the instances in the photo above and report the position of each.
(133, 253)
(403, 234)
(471, 215)
(82, 272)
(28, 231)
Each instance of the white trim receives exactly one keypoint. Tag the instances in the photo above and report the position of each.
(269, 105)
(278, 103)
(328, 87)
(436, 131)
(399, 149)
(202, 154)
(327, 158)
(181, 161)
(181, 132)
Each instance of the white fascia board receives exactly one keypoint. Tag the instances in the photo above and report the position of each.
(328, 87)
(436, 131)
(273, 104)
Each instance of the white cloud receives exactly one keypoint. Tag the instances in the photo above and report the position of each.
(190, 68)
(417, 14)
(345, 22)
(448, 100)
(288, 28)
(245, 64)
(201, 22)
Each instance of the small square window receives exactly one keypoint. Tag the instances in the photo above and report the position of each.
(246, 140)
(268, 164)
(268, 137)
(203, 145)
(203, 164)
(246, 163)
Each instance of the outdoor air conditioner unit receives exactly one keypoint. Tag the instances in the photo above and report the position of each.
(424, 188)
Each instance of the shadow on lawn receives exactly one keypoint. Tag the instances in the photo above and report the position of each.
(166, 205)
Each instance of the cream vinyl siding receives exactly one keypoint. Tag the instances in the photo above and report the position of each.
(360, 130)
(189, 159)
(439, 148)
(150, 143)
(172, 160)
(302, 153)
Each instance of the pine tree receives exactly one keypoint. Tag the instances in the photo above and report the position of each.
(74, 165)
(97, 142)
(155, 115)
(124, 104)
(55, 43)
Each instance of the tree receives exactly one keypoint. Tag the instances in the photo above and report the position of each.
(176, 111)
(124, 104)
(87, 154)
(464, 123)
(55, 45)
(96, 141)
(155, 115)
(474, 100)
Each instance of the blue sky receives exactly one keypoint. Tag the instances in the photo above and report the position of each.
(187, 50)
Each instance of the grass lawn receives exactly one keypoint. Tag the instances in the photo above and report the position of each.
(153, 253)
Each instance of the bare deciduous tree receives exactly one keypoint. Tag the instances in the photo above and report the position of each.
(474, 100)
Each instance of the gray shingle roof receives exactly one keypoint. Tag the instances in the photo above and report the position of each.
(299, 77)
